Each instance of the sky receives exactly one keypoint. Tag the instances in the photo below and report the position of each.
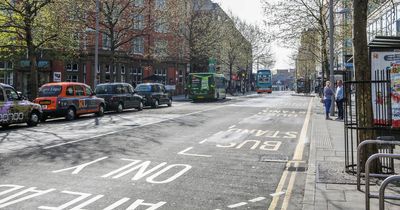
(251, 11)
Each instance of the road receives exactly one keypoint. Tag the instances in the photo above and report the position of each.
(245, 152)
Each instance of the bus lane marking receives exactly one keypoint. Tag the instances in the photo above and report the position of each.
(237, 205)
(203, 141)
(142, 169)
(184, 152)
(9, 200)
(79, 168)
(83, 199)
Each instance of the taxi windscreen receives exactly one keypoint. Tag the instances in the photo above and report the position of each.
(143, 88)
(104, 89)
(53, 90)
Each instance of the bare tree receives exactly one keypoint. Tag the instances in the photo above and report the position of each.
(121, 21)
(290, 18)
(200, 27)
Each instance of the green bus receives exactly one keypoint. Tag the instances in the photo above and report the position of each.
(206, 86)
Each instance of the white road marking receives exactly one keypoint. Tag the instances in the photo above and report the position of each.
(78, 168)
(237, 205)
(183, 152)
(257, 199)
(122, 130)
(232, 126)
(204, 141)
(277, 194)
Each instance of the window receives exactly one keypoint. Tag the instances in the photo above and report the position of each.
(88, 91)
(2, 65)
(1, 95)
(106, 42)
(11, 94)
(115, 70)
(139, 3)
(138, 23)
(71, 67)
(79, 90)
(107, 68)
(72, 78)
(122, 69)
(161, 4)
(161, 48)
(161, 26)
(138, 45)
(70, 91)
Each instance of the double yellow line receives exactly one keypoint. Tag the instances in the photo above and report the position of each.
(297, 158)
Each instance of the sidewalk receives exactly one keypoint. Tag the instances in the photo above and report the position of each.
(328, 186)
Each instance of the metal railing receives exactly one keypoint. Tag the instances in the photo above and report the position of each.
(390, 163)
(368, 195)
(382, 188)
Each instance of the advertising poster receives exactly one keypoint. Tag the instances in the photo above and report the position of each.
(395, 93)
(380, 61)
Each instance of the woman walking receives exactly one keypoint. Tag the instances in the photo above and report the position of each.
(328, 93)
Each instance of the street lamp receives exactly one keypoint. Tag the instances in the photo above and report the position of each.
(96, 50)
(331, 51)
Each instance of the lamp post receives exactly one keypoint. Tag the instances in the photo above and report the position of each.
(331, 52)
(96, 48)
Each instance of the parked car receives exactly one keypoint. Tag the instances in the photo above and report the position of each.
(119, 96)
(14, 109)
(155, 94)
(69, 100)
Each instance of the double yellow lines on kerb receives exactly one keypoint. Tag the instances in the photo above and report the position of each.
(297, 158)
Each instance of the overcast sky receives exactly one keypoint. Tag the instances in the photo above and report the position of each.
(251, 11)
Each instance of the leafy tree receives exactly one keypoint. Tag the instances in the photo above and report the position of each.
(20, 22)
(32, 26)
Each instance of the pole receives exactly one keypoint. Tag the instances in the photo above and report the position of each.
(96, 50)
(331, 52)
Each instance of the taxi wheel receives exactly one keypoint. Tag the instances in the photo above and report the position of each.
(120, 107)
(169, 102)
(101, 111)
(71, 114)
(5, 125)
(33, 119)
(156, 104)
(140, 108)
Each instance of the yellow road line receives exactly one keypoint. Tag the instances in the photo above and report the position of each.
(279, 188)
(298, 155)
(289, 190)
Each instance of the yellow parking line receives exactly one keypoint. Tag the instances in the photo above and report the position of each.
(297, 157)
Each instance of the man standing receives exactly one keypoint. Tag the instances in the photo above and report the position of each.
(339, 99)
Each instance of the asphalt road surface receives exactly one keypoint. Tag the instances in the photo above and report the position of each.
(244, 152)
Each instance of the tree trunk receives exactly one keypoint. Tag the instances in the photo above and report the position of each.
(230, 76)
(363, 73)
(34, 76)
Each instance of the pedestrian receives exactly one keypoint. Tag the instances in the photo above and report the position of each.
(328, 93)
(339, 96)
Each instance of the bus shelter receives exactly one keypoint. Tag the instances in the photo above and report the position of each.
(384, 86)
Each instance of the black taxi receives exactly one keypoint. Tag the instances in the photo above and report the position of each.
(14, 109)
